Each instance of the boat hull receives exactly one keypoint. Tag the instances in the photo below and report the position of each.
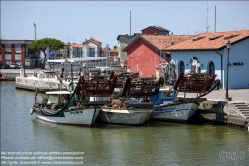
(177, 112)
(127, 116)
(83, 117)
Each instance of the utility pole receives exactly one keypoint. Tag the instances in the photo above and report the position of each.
(130, 23)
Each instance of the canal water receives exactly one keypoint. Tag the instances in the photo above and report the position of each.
(154, 143)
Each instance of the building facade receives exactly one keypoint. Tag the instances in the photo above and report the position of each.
(124, 41)
(145, 54)
(17, 51)
(208, 52)
(92, 48)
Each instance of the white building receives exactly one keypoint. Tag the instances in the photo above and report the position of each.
(208, 52)
(92, 48)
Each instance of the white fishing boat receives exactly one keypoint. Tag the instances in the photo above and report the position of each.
(133, 115)
(181, 112)
(75, 107)
(169, 107)
(73, 114)
(130, 109)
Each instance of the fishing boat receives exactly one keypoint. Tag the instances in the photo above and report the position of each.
(134, 106)
(80, 106)
(169, 107)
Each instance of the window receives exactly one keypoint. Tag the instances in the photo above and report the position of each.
(215, 37)
(211, 68)
(181, 67)
(168, 58)
(231, 36)
(199, 38)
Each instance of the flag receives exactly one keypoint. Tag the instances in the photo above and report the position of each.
(34, 24)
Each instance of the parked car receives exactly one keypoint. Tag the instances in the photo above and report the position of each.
(5, 66)
(30, 67)
(14, 66)
(23, 66)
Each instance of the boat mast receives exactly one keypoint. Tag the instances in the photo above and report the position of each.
(72, 77)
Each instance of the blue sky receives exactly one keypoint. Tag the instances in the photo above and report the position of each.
(104, 20)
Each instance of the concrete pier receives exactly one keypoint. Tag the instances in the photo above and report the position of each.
(217, 110)
(40, 82)
(11, 74)
(33, 79)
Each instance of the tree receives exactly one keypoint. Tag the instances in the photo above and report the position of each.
(46, 43)
(115, 47)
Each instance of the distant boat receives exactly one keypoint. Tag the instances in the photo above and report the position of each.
(171, 108)
(75, 107)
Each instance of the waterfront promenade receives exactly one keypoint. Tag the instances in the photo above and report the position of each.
(237, 95)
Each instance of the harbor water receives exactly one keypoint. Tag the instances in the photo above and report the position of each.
(154, 143)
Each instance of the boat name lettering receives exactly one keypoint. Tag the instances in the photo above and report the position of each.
(76, 112)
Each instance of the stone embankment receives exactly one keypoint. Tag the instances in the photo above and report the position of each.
(222, 112)
(11, 74)
(217, 109)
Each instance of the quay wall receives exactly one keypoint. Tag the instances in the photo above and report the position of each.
(219, 112)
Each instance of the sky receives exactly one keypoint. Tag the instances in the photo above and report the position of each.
(75, 21)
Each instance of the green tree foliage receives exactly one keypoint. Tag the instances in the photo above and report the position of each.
(43, 44)
(115, 47)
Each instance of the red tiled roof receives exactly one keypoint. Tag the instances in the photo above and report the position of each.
(114, 50)
(160, 41)
(95, 41)
(210, 41)
(103, 49)
(88, 46)
(163, 41)
(75, 45)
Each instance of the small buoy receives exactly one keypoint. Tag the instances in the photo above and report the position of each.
(31, 111)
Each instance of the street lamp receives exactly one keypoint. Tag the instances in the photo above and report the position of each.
(35, 30)
(23, 50)
(228, 48)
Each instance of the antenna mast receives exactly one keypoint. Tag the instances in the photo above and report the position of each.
(130, 23)
(215, 20)
(207, 19)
